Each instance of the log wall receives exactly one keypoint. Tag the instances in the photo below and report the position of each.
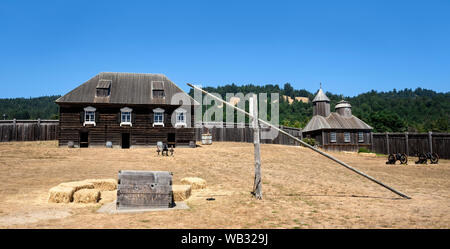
(107, 127)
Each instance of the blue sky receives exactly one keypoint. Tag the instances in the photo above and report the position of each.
(50, 47)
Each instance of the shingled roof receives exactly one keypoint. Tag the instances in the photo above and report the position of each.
(335, 121)
(320, 96)
(125, 88)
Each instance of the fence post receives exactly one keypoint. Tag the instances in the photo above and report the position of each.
(371, 141)
(406, 143)
(430, 140)
(38, 135)
(253, 108)
(387, 143)
(14, 130)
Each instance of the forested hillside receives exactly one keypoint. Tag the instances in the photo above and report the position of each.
(418, 110)
(29, 108)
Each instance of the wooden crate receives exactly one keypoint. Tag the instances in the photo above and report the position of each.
(144, 189)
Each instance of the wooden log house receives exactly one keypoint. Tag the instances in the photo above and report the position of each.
(126, 110)
(338, 130)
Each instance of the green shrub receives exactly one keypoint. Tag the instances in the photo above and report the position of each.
(363, 150)
(310, 141)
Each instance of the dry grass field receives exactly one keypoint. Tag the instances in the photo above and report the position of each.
(300, 188)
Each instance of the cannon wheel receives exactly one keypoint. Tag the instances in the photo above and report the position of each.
(434, 158)
(391, 159)
(403, 159)
(422, 158)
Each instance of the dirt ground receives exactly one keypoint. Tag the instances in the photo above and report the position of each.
(301, 189)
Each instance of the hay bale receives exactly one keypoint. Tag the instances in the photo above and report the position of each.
(77, 185)
(108, 196)
(103, 184)
(60, 194)
(195, 182)
(86, 196)
(181, 192)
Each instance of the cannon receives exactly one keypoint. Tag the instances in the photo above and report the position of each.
(164, 149)
(424, 157)
(392, 158)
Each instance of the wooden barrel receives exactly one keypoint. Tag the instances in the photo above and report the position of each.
(206, 139)
(144, 189)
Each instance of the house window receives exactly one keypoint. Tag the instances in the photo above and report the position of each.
(158, 117)
(333, 137)
(89, 116)
(360, 137)
(125, 116)
(347, 137)
(158, 94)
(180, 117)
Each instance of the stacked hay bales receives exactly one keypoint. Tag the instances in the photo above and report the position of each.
(195, 182)
(181, 192)
(105, 190)
(103, 184)
(189, 184)
(86, 196)
(60, 194)
(77, 185)
(87, 191)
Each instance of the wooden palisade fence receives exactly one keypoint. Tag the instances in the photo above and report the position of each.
(383, 143)
(410, 143)
(28, 130)
(234, 132)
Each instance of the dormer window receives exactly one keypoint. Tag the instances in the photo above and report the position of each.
(158, 94)
(89, 116)
(158, 89)
(158, 117)
(103, 92)
(103, 88)
(180, 116)
(125, 116)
